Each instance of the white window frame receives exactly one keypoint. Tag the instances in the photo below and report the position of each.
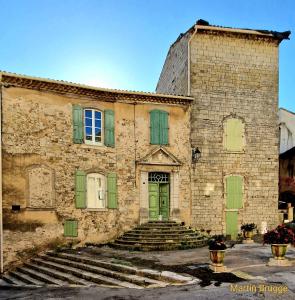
(104, 189)
(93, 142)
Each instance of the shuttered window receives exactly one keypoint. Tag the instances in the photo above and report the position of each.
(80, 189)
(159, 129)
(112, 190)
(109, 128)
(77, 124)
(71, 228)
(91, 126)
(90, 190)
(234, 136)
(234, 192)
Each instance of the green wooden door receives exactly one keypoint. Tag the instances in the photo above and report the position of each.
(232, 224)
(234, 201)
(153, 201)
(164, 200)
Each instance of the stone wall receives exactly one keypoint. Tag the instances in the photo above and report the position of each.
(174, 75)
(234, 75)
(40, 159)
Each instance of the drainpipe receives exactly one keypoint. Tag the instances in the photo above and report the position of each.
(189, 62)
(1, 210)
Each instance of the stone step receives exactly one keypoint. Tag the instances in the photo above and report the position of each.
(53, 275)
(41, 276)
(156, 242)
(87, 275)
(25, 278)
(161, 231)
(132, 278)
(160, 235)
(158, 247)
(164, 276)
(157, 239)
(12, 280)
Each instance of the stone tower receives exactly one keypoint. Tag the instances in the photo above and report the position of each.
(233, 76)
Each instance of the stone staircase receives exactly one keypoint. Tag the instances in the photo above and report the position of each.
(64, 269)
(160, 236)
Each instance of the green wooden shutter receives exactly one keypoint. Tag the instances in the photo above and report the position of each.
(112, 190)
(234, 192)
(80, 189)
(71, 228)
(155, 127)
(164, 129)
(234, 135)
(109, 128)
(77, 124)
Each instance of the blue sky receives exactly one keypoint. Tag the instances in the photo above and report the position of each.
(123, 43)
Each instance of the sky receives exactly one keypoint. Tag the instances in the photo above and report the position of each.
(123, 43)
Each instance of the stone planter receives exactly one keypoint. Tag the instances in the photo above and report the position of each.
(279, 251)
(248, 237)
(217, 258)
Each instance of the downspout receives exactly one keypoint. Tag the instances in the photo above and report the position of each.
(189, 62)
(189, 93)
(1, 209)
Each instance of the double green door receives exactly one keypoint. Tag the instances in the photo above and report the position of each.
(158, 201)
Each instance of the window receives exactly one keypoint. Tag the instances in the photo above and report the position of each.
(234, 136)
(96, 191)
(159, 129)
(92, 126)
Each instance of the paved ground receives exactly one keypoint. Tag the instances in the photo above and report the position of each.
(246, 261)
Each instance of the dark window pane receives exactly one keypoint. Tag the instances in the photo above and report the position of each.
(97, 115)
(88, 113)
(88, 122)
(98, 138)
(88, 138)
(98, 123)
(97, 131)
(88, 130)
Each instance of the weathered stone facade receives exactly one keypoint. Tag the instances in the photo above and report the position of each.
(40, 159)
(232, 74)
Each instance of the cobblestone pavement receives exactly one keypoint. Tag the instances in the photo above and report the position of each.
(246, 261)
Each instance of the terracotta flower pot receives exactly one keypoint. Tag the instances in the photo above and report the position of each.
(217, 257)
(248, 234)
(279, 251)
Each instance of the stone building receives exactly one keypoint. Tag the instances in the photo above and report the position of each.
(233, 76)
(89, 163)
(287, 129)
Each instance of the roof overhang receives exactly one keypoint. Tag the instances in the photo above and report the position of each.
(63, 87)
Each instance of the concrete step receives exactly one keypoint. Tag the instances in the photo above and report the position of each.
(132, 278)
(87, 275)
(41, 276)
(12, 280)
(144, 239)
(163, 276)
(24, 278)
(64, 278)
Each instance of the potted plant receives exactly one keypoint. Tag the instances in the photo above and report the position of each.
(247, 230)
(279, 238)
(217, 249)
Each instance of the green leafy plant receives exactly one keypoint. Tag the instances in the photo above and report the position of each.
(248, 226)
(217, 242)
